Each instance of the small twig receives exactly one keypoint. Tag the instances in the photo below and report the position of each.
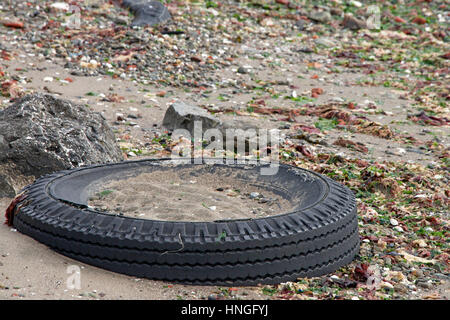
(182, 246)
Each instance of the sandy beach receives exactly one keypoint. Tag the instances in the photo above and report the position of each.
(394, 156)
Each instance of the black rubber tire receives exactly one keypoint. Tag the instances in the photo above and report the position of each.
(309, 241)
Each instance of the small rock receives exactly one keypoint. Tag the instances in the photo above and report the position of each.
(305, 50)
(60, 6)
(147, 12)
(356, 3)
(417, 273)
(424, 284)
(255, 195)
(120, 20)
(196, 59)
(353, 23)
(300, 24)
(397, 276)
(320, 16)
(336, 12)
(387, 260)
(265, 200)
(419, 243)
(393, 222)
(325, 42)
(441, 276)
(386, 285)
(401, 288)
(267, 22)
(243, 70)
(337, 99)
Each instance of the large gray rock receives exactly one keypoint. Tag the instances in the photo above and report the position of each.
(147, 12)
(188, 117)
(180, 115)
(40, 134)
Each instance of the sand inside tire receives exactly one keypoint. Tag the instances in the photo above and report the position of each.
(168, 196)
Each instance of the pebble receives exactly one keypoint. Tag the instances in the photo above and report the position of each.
(337, 99)
(401, 288)
(336, 11)
(60, 6)
(417, 273)
(325, 42)
(320, 16)
(305, 49)
(393, 222)
(255, 195)
(265, 200)
(243, 70)
(419, 243)
(353, 23)
(386, 285)
(441, 276)
(356, 3)
(120, 20)
(425, 284)
(300, 24)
